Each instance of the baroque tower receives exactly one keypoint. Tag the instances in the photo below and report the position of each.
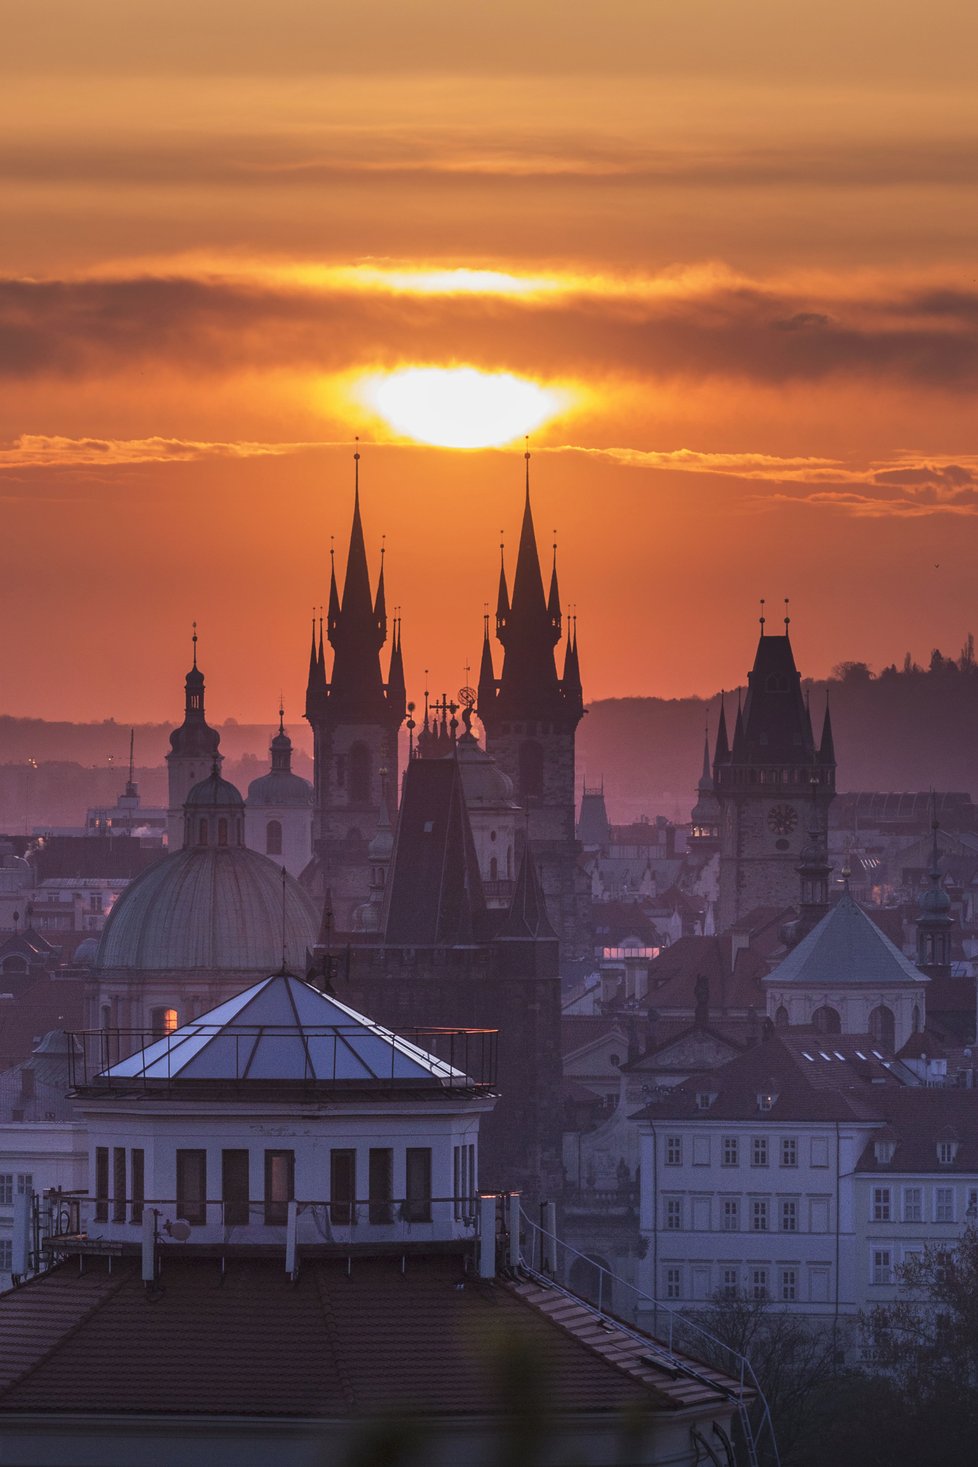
(193, 752)
(772, 784)
(355, 717)
(530, 715)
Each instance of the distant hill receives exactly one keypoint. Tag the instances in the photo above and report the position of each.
(906, 729)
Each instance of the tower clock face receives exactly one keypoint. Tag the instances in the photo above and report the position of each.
(782, 819)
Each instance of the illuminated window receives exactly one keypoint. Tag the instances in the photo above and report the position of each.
(165, 1021)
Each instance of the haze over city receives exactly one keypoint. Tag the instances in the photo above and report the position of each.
(725, 251)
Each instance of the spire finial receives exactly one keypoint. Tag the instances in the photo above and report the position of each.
(356, 470)
(281, 713)
(194, 640)
(763, 618)
(526, 458)
(787, 618)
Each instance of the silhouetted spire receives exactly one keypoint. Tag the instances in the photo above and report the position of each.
(195, 736)
(826, 748)
(706, 778)
(722, 746)
(487, 675)
(396, 690)
(333, 610)
(502, 598)
(774, 727)
(553, 600)
(737, 751)
(380, 603)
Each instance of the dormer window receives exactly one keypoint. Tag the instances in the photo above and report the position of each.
(883, 1151)
(766, 1099)
(705, 1098)
(947, 1152)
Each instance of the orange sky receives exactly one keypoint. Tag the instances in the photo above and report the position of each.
(742, 235)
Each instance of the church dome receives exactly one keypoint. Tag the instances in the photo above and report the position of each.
(934, 902)
(209, 909)
(483, 782)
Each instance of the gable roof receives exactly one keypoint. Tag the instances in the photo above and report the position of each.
(845, 947)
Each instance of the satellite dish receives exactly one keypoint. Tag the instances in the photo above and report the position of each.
(179, 1230)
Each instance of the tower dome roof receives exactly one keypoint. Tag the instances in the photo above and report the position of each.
(280, 787)
(215, 793)
(934, 901)
(483, 782)
(209, 909)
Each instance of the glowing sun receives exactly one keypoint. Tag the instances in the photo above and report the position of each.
(460, 407)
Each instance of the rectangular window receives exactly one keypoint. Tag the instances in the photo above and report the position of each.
(138, 1184)
(6, 1189)
(674, 1214)
(118, 1184)
(342, 1185)
(758, 1151)
(881, 1204)
(701, 1151)
(418, 1177)
(789, 1216)
(789, 1284)
(6, 1255)
(789, 1151)
(101, 1184)
(279, 1186)
(674, 1151)
(758, 1283)
(882, 1266)
(235, 1188)
(913, 1204)
(25, 1183)
(192, 1185)
(730, 1221)
(944, 1204)
(758, 1215)
(731, 1151)
(380, 1183)
(674, 1283)
(728, 1283)
(972, 1209)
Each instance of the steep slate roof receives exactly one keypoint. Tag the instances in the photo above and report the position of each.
(435, 892)
(917, 1120)
(812, 1077)
(846, 947)
(283, 1029)
(332, 1345)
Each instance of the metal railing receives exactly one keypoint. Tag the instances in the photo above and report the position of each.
(548, 1260)
(464, 1058)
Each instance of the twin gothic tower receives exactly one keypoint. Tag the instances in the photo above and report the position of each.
(529, 713)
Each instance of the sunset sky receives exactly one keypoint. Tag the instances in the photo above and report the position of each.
(731, 246)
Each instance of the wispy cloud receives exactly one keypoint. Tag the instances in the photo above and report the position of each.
(42, 451)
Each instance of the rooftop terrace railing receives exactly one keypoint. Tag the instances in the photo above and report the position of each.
(349, 1056)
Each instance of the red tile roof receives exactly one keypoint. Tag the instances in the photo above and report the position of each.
(333, 1344)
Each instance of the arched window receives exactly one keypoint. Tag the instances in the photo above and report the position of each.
(222, 831)
(359, 775)
(882, 1026)
(781, 1017)
(15, 964)
(827, 1021)
(531, 769)
(202, 833)
(273, 838)
(165, 1021)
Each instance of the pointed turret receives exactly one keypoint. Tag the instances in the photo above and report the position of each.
(722, 753)
(195, 738)
(737, 752)
(396, 690)
(502, 595)
(487, 674)
(826, 748)
(553, 600)
(706, 778)
(380, 602)
(527, 916)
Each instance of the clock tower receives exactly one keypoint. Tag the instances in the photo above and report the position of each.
(770, 782)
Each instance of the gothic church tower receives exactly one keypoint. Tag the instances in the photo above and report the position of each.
(530, 715)
(193, 753)
(772, 784)
(355, 717)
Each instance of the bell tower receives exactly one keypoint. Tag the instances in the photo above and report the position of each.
(772, 783)
(355, 716)
(530, 714)
(193, 752)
